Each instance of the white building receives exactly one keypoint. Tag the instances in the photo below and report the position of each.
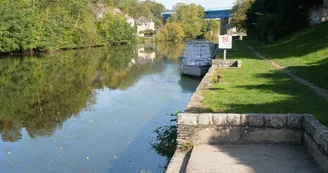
(129, 20)
(144, 24)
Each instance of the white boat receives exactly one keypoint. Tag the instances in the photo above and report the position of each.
(197, 58)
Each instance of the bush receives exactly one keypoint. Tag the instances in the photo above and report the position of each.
(171, 32)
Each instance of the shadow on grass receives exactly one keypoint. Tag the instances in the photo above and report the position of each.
(301, 43)
(308, 46)
(281, 95)
(316, 73)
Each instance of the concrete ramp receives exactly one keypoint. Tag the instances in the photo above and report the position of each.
(273, 158)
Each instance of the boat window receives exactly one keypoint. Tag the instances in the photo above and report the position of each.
(195, 48)
(203, 48)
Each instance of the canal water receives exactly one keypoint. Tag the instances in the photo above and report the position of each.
(92, 110)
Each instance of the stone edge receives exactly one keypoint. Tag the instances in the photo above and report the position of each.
(179, 162)
(253, 120)
(315, 140)
(219, 63)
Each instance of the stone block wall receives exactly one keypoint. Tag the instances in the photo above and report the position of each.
(239, 128)
(315, 140)
(227, 63)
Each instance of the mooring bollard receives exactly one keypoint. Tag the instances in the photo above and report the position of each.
(219, 78)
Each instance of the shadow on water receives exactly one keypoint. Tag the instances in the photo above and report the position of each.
(188, 83)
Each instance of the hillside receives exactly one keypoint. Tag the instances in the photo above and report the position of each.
(304, 53)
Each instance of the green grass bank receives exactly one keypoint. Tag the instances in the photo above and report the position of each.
(304, 53)
(258, 87)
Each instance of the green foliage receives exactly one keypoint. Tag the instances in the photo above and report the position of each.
(239, 12)
(28, 25)
(171, 32)
(192, 19)
(116, 30)
(188, 23)
(166, 140)
(269, 20)
(135, 8)
(18, 27)
(211, 29)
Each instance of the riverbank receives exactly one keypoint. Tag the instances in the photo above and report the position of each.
(258, 87)
(225, 113)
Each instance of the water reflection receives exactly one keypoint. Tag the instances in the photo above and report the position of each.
(39, 94)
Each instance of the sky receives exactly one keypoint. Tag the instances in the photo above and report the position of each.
(205, 3)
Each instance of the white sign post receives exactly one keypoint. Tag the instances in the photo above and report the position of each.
(225, 42)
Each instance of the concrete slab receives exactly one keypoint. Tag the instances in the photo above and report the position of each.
(250, 159)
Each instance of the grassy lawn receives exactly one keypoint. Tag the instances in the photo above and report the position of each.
(305, 53)
(258, 87)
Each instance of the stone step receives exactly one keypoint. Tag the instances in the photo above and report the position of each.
(251, 159)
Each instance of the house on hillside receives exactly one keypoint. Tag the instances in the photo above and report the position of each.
(144, 24)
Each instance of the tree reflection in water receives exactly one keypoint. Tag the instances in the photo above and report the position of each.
(40, 93)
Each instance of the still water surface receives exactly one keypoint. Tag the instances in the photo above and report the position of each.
(91, 110)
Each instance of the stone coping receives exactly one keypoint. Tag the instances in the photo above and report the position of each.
(253, 120)
(179, 162)
(317, 134)
(227, 63)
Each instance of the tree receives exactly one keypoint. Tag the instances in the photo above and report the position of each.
(192, 19)
(18, 27)
(177, 5)
(114, 29)
(171, 32)
(212, 28)
(239, 14)
(269, 20)
(175, 31)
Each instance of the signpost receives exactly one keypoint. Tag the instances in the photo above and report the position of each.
(225, 42)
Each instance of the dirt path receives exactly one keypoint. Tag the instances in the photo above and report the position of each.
(320, 91)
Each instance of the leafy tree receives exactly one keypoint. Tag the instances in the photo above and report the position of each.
(212, 27)
(269, 20)
(239, 14)
(45, 25)
(18, 27)
(177, 5)
(171, 32)
(192, 19)
(175, 31)
(114, 29)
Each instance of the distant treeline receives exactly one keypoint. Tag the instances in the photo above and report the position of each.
(188, 23)
(269, 20)
(46, 25)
